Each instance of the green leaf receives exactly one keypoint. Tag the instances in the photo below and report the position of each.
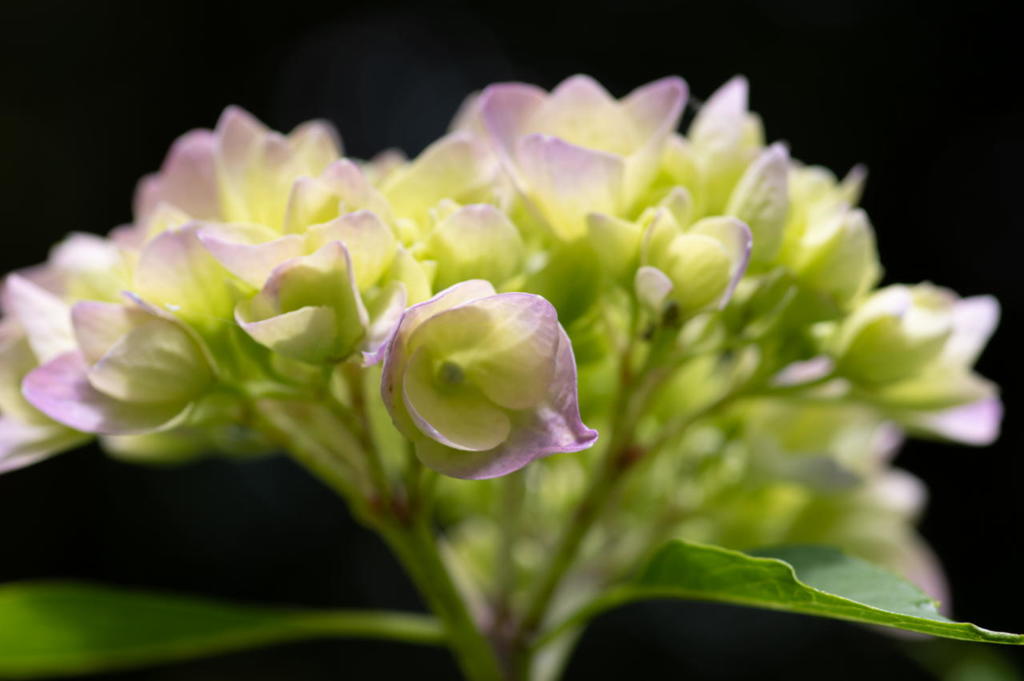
(812, 580)
(60, 628)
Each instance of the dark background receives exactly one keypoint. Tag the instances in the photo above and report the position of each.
(93, 93)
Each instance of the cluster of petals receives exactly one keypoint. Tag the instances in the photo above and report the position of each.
(257, 258)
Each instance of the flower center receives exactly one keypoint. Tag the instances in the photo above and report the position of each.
(450, 373)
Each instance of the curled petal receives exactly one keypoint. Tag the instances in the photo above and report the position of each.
(505, 343)
(308, 333)
(554, 428)
(502, 359)
(61, 390)
(309, 308)
(461, 419)
(396, 357)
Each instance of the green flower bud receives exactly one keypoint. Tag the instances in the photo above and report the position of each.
(698, 267)
(894, 334)
(837, 257)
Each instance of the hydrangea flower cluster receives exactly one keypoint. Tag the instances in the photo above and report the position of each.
(710, 305)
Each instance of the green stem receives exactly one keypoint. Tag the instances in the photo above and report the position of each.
(417, 550)
(397, 626)
(619, 457)
(405, 529)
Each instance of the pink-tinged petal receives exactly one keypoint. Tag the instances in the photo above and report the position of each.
(804, 371)
(45, 318)
(977, 423)
(974, 320)
(253, 263)
(82, 252)
(187, 179)
(24, 444)
(554, 428)
(557, 427)
(656, 108)
(654, 111)
(568, 182)
(719, 122)
(61, 390)
(506, 110)
(129, 237)
(899, 492)
(458, 294)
